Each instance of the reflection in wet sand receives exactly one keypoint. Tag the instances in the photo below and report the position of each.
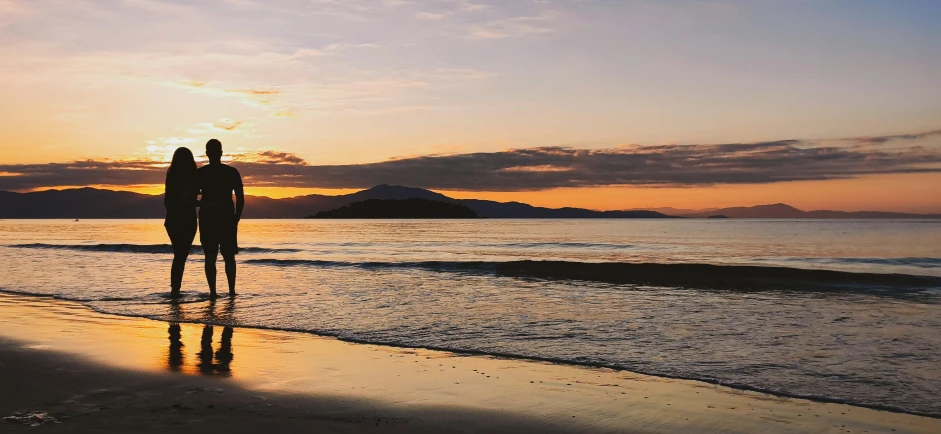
(224, 356)
(209, 362)
(175, 355)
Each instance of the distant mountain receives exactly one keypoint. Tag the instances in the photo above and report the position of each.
(784, 211)
(80, 203)
(676, 211)
(412, 208)
(491, 209)
(778, 210)
(86, 203)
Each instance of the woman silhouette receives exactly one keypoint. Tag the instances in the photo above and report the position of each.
(180, 201)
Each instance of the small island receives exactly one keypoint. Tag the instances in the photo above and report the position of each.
(718, 216)
(398, 209)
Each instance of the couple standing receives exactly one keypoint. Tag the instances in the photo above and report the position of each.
(218, 216)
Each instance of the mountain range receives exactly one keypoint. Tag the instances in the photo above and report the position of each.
(85, 203)
(784, 211)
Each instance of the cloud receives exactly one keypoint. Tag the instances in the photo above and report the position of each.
(528, 169)
(272, 157)
(875, 140)
(227, 124)
(259, 54)
(177, 141)
(515, 26)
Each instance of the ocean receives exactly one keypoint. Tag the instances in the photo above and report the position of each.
(843, 311)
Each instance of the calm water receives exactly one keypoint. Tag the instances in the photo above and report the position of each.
(866, 339)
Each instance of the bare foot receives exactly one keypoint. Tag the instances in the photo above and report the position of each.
(212, 295)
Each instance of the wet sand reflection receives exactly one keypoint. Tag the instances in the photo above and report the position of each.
(209, 361)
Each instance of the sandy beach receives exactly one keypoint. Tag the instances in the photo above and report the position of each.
(90, 372)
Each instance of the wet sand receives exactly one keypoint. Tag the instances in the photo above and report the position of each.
(102, 373)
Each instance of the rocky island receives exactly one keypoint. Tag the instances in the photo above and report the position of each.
(398, 209)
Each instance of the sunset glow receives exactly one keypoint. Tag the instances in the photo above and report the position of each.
(554, 103)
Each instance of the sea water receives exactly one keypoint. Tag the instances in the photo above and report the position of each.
(843, 310)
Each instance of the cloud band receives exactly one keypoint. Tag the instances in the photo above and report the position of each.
(529, 169)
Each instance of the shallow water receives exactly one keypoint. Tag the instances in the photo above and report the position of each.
(868, 339)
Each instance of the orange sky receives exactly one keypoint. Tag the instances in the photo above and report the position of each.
(379, 80)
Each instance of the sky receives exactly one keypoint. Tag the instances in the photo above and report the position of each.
(605, 104)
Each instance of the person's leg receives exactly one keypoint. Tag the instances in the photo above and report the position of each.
(211, 251)
(229, 247)
(229, 257)
(180, 252)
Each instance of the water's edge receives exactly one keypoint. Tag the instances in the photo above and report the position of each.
(509, 356)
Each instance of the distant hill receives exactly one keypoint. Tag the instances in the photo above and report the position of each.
(784, 211)
(87, 203)
(80, 203)
(412, 208)
(778, 210)
(677, 211)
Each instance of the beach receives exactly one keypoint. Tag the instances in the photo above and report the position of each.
(470, 216)
(846, 312)
(92, 372)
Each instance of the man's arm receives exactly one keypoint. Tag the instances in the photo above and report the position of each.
(239, 198)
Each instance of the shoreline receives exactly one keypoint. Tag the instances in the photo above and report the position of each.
(475, 353)
(552, 396)
(561, 362)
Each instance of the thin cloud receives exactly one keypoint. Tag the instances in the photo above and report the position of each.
(528, 169)
(515, 26)
(227, 124)
(429, 16)
(255, 92)
(274, 157)
(875, 140)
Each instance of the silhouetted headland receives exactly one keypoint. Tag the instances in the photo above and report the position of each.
(399, 209)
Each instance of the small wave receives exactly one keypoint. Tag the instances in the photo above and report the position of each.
(918, 262)
(559, 245)
(706, 276)
(65, 297)
(138, 248)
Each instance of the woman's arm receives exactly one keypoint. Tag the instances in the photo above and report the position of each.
(166, 194)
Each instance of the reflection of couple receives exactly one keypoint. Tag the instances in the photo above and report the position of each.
(209, 362)
(218, 217)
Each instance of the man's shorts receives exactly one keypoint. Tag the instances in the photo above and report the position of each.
(218, 229)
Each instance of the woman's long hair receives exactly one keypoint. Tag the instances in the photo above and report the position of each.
(183, 163)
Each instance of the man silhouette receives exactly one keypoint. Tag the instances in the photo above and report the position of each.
(218, 215)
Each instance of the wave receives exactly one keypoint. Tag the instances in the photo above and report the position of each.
(917, 262)
(64, 297)
(557, 245)
(705, 276)
(138, 248)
